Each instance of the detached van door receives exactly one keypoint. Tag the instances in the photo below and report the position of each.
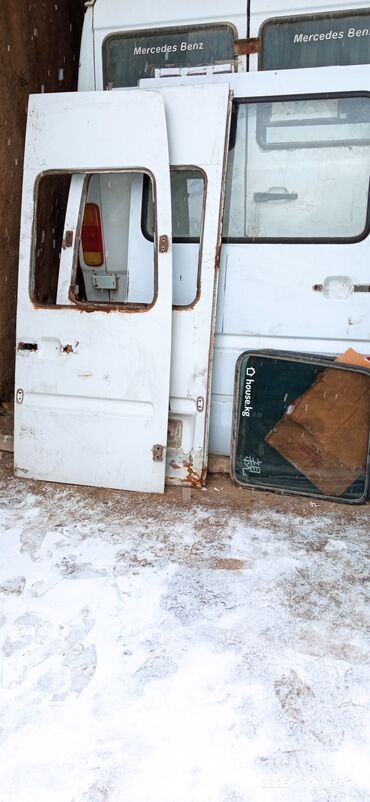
(92, 377)
(295, 261)
(198, 120)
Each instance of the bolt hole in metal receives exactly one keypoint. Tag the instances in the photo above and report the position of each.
(27, 346)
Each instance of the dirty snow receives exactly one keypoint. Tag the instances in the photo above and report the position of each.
(161, 651)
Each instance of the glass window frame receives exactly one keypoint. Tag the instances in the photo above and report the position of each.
(286, 98)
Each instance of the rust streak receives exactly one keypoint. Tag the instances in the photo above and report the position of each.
(246, 47)
(192, 478)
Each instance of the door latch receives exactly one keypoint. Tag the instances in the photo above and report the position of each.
(19, 396)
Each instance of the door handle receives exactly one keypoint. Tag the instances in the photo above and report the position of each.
(274, 194)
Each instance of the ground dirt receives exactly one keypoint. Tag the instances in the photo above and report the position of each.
(210, 647)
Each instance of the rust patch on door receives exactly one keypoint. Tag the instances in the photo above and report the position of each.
(68, 240)
(192, 478)
(174, 433)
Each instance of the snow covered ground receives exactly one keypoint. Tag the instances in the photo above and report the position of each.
(157, 650)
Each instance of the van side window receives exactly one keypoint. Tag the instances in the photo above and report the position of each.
(299, 171)
(106, 260)
(188, 200)
(130, 56)
(315, 40)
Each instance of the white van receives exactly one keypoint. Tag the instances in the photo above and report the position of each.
(263, 117)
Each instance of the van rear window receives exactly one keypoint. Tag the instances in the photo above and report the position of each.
(132, 56)
(317, 40)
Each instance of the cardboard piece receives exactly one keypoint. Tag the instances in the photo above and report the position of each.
(325, 434)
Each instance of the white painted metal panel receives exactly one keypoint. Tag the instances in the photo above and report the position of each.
(91, 413)
(112, 14)
(197, 122)
(266, 296)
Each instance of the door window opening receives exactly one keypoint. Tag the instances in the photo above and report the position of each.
(188, 196)
(109, 261)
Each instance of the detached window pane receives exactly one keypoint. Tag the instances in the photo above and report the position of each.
(302, 426)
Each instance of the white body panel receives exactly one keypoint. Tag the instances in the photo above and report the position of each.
(197, 123)
(265, 290)
(91, 414)
(266, 297)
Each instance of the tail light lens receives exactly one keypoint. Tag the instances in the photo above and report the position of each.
(92, 236)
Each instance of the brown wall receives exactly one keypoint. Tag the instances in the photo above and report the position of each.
(37, 39)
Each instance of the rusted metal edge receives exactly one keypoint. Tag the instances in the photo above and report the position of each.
(247, 47)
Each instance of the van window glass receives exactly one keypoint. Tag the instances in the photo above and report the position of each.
(317, 40)
(112, 262)
(131, 56)
(187, 199)
(299, 169)
(301, 424)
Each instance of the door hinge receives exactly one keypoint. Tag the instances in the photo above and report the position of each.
(246, 47)
(164, 243)
(19, 396)
(68, 240)
(158, 453)
(200, 403)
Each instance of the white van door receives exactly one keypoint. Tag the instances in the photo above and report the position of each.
(294, 272)
(295, 260)
(198, 123)
(92, 377)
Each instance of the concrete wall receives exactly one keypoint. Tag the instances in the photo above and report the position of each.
(39, 42)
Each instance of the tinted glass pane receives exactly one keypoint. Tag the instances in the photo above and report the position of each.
(316, 41)
(299, 169)
(130, 57)
(302, 427)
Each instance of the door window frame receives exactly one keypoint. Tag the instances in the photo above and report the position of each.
(238, 101)
(76, 304)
